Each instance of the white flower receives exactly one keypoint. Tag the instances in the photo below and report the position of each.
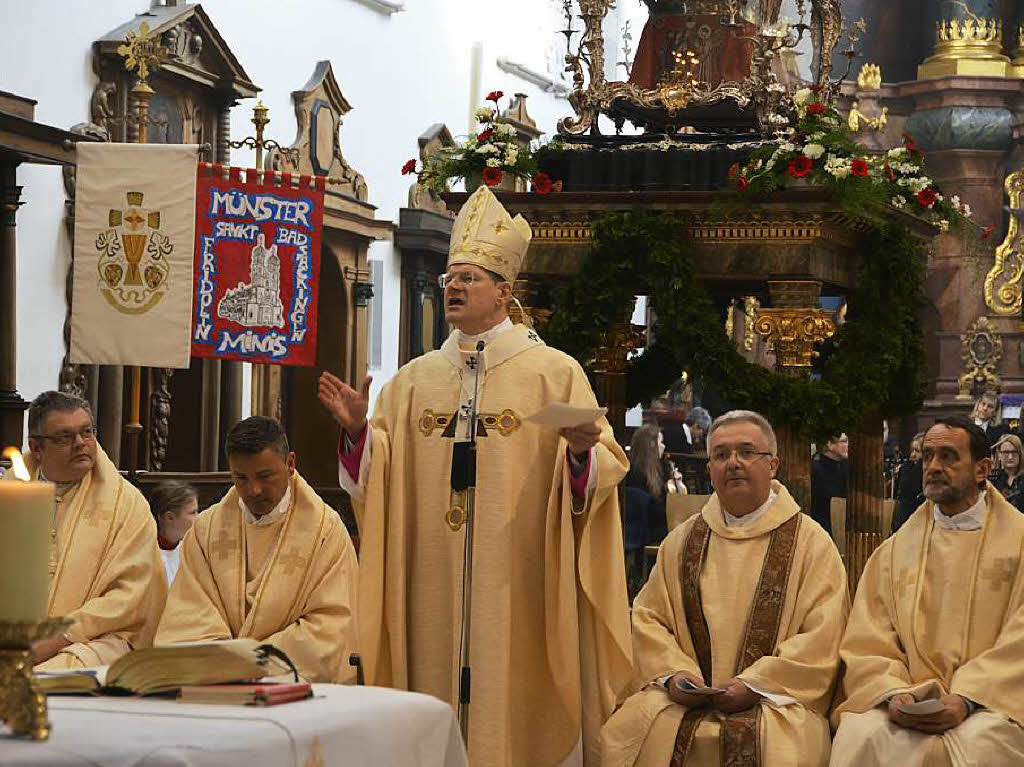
(511, 156)
(899, 201)
(966, 210)
(816, 136)
(786, 146)
(943, 225)
(484, 114)
(955, 201)
(802, 96)
(504, 129)
(897, 152)
(493, 162)
(487, 149)
(838, 166)
(814, 151)
(776, 88)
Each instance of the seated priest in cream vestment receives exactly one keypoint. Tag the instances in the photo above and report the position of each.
(748, 597)
(549, 618)
(939, 615)
(105, 569)
(270, 561)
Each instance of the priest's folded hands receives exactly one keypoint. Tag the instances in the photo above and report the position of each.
(955, 710)
(737, 696)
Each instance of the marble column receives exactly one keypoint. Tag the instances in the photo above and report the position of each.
(12, 406)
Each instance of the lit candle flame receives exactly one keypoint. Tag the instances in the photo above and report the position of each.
(17, 464)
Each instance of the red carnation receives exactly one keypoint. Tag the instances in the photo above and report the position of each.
(926, 197)
(817, 87)
(542, 183)
(742, 184)
(494, 96)
(910, 144)
(492, 176)
(859, 168)
(485, 135)
(734, 171)
(800, 166)
(817, 108)
(409, 167)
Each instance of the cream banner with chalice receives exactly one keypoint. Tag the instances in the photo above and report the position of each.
(134, 238)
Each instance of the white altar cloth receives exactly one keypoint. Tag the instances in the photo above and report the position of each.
(340, 725)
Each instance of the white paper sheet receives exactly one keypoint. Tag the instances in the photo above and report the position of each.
(922, 707)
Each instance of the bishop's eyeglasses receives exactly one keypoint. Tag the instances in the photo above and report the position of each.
(65, 438)
(466, 279)
(745, 455)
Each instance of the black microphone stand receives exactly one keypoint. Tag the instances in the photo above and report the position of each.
(464, 480)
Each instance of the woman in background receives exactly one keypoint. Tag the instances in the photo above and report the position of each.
(1008, 478)
(175, 506)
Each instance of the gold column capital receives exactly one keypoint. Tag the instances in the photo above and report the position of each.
(792, 334)
(615, 346)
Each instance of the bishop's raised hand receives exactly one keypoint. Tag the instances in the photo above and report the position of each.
(347, 406)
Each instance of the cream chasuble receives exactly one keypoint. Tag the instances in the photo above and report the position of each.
(938, 611)
(550, 643)
(291, 583)
(105, 568)
(747, 593)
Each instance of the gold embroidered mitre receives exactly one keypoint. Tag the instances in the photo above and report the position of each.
(485, 235)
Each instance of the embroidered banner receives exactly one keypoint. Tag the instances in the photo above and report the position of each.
(134, 236)
(257, 266)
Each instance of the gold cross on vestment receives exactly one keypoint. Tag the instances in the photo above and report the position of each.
(1000, 574)
(223, 547)
(906, 580)
(292, 560)
(499, 227)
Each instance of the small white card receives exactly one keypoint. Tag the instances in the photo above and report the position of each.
(922, 707)
(562, 415)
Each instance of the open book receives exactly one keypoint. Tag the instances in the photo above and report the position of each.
(162, 669)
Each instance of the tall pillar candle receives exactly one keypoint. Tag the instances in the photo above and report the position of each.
(26, 511)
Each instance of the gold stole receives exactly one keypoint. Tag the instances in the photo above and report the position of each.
(740, 732)
(274, 605)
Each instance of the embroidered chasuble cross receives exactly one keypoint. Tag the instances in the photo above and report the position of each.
(906, 580)
(222, 548)
(1000, 574)
(292, 561)
(471, 363)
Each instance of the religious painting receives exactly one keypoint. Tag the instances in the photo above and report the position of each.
(257, 266)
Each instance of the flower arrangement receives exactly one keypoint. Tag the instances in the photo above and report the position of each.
(492, 155)
(813, 146)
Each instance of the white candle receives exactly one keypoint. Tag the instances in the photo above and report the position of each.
(26, 510)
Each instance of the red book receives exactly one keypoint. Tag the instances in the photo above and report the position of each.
(268, 694)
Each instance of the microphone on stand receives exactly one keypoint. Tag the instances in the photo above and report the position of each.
(463, 474)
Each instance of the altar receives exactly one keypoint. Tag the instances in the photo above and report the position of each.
(340, 725)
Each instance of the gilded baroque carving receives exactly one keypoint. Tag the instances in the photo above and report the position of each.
(792, 334)
(615, 346)
(1003, 282)
(160, 416)
(981, 350)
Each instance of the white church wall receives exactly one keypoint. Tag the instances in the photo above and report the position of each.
(400, 72)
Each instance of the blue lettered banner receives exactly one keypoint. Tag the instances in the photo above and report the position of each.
(257, 266)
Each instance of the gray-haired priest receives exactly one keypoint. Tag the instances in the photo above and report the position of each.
(105, 568)
(934, 652)
(736, 634)
(550, 620)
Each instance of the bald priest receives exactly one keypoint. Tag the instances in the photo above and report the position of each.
(270, 561)
(938, 620)
(105, 569)
(550, 621)
(736, 633)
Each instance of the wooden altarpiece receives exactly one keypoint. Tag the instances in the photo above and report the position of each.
(198, 83)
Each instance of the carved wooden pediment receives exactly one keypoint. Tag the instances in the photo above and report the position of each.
(319, 109)
(433, 140)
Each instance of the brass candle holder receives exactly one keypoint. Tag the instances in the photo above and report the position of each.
(22, 704)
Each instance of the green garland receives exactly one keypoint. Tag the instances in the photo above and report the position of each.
(875, 361)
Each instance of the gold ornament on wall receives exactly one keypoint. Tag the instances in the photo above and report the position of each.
(981, 350)
(1003, 282)
(869, 78)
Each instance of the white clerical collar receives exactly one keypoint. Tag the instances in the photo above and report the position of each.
(268, 519)
(752, 517)
(488, 335)
(972, 519)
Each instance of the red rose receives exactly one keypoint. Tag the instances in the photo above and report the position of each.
(910, 144)
(492, 176)
(926, 197)
(485, 135)
(409, 167)
(542, 183)
(889, 172)
(817, 108)
(800, 166)
(817, 87)
(734, 171)
(742, 184)
(494, 96)
(859, 168)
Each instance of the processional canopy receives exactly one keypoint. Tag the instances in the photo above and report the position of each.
(713, 65)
